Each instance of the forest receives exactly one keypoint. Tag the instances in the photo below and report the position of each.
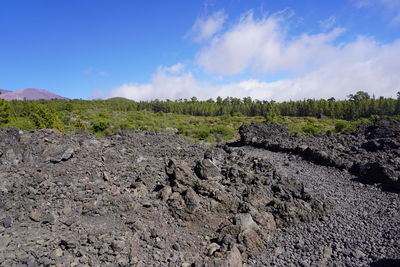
(210, 120)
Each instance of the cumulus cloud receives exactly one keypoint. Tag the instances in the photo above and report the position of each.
(205, 27)
(319, 66)
(360, 65)
(166, 83)
(261, 45)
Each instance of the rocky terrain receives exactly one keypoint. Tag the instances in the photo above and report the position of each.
(147, 199)
(372, 153)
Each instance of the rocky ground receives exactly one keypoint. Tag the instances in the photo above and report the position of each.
(372, 153)
(146, 199)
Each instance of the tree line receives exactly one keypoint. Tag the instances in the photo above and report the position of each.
(358, 105)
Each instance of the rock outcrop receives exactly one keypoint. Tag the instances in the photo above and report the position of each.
(372, 153)
(140, 199)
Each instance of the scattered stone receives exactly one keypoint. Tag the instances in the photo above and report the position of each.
(7, 222)
(212, 248)
(206, 169)
(58, 252)
(165, 193)
(234, 258)
(358, 254)
(118, 245)
(35, 216)
(225, 206)
(192, 200)
(60, 153)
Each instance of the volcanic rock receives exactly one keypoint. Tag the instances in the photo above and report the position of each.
(82, 200)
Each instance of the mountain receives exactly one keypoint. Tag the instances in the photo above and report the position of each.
(29, 94)
(3, 91)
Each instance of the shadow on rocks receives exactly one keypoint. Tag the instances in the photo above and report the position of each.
(386, 263)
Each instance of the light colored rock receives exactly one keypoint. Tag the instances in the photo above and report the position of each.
(35, 216)
(279, 251)
(58, 153)
(245, 221)
(252, 241)
(212, 248)
(165, 193)
(358, 254)
(265, 219)
(234, 258)
(58, 252)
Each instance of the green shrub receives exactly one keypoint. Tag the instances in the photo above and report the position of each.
(99, 126)
(341, 126)
(45, 118)
(78, 124)
(310, 129)
(103, 115)
(202, 134)
(4, 111)
(222, 130)
(237, 114)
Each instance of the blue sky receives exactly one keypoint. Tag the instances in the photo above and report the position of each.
(176, 49)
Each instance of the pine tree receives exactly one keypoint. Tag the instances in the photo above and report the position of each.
(4, 111)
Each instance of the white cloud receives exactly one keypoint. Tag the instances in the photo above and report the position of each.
(176, 68)
(361, 65)
(262, 46)
(165, 84)
(320, 66)
(205, 27)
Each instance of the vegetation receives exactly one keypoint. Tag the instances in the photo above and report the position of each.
(4, 111)
(210, 120)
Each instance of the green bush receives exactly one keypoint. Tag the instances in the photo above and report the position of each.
(222, 130)
(78, 124)
(237, 114)
(202, 134)
(341, 126)
(103, 115)
(4, 111)
(45, 118)
(310, 129)
(99, 126)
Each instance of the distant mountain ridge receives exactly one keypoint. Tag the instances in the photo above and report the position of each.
(29, 94)
(3, 91)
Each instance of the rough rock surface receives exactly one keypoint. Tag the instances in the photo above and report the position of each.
(364, 229)
(142, 199)
(372, 153)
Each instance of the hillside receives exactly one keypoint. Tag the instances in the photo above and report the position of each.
(29, 94)
(3, 91)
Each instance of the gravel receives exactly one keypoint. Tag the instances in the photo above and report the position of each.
(364, 228)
